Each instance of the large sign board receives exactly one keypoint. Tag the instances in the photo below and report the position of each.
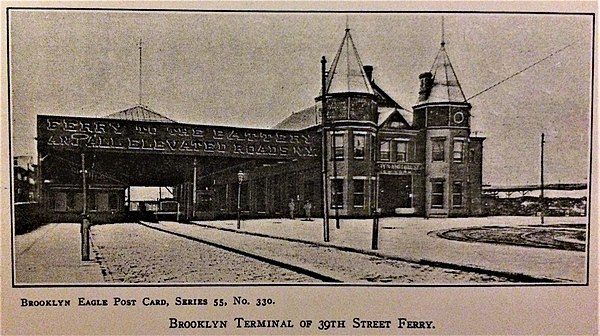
(395, 168)
(113, 135)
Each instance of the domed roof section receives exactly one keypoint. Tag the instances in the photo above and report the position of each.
(444, 87)
(139, 113)
(346, 73)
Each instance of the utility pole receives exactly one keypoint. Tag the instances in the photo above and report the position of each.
(324, 150)
(542, 180)
(140, 75)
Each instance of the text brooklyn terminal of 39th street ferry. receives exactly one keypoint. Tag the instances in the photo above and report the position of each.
(355, 323)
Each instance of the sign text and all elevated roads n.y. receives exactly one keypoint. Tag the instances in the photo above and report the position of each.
(76, 133)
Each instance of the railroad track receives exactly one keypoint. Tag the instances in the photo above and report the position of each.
(339, 264)
(278, 263)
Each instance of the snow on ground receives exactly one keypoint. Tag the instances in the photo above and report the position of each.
(349, 266)
(133, 253)
(407, 238)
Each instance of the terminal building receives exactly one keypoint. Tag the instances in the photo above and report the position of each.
(376, 155)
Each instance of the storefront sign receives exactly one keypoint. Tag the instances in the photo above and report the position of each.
(74, 133)
(395, 168)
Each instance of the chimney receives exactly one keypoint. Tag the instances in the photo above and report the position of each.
(426, 79)
(369, 72)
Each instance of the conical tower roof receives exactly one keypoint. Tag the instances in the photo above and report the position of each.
(445, 87)
(346, 73)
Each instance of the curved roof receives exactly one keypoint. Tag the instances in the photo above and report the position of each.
(300, 120)
(140, 113)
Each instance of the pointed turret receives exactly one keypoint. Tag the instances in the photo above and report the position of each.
(347, 72)
(440, 84)
(349, 93)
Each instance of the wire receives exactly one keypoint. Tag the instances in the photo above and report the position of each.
(520, 71)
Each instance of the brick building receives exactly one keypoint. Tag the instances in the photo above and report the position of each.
(424, 163)
(375, 155)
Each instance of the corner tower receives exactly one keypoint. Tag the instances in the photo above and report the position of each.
(452, 161)
(350, 123)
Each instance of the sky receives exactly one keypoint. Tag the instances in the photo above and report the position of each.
(254, 69)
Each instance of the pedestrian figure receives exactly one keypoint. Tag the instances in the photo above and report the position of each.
(307, 208)
(292, 206)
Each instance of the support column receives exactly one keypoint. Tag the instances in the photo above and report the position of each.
(194, 189)
(85, 221)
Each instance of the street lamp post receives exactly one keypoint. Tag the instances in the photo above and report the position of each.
(240, 176)
(85, 220)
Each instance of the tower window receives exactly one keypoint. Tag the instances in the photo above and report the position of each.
(359, 193)
(359, 146)
(458, 150)
(337, 193)
(457, 194)
(437, 149)
(338, 146)
(437, 194)
(401, 151)
(384, 151)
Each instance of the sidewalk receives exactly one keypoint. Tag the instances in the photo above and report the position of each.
(52, 255)
(408, 239)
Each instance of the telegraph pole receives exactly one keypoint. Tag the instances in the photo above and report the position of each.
(324, 150)
(140, 74)
(542, 179)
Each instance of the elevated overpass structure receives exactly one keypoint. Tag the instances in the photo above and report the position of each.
(491, 190)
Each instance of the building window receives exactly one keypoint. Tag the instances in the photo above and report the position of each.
(113, 201)
(92, 205)
(337, 193)
(401, 151)
(457, 152)
(457, 194)
(384, 151)
(70, 201)
(338, 146)
(60, 201)
(359, 146)
(472, 155)
(437, 194)
(359, 193)
(437, 149)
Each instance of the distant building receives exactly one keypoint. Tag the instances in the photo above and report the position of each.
(25, 179)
